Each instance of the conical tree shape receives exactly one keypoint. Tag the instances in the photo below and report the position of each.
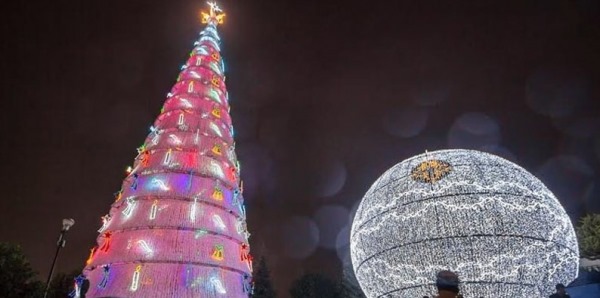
(178, 227)
(263, 287)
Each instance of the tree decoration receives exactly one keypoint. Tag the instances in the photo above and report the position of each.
(78, 283)
(491, 221)
(105, 275)
(214, 16)
(216, 112)
(153, 210)
(170, 225)
(106, 242)
(105, 221)
(218, 252)
(246, 256)
(217, 285)
(118, 196)
(216, 149)
(135, 279)
(92, 253)
(215, 82)
(134, 185)
(217, 194)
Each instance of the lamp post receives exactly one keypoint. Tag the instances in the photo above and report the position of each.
(67, 223)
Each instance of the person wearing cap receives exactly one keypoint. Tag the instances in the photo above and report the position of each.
(447, 283)
(560, 292)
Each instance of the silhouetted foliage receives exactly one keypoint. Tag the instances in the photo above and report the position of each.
(17, 278)
(263, 287)
(62, 284)
(588, 234)
(314, 286)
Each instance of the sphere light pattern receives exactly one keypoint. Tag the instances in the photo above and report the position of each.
(474, 213)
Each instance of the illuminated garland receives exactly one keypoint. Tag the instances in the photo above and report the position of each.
(492, 222)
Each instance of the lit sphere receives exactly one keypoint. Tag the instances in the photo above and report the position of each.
(479, 215)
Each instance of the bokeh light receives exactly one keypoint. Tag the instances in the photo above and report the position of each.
(431, 93)
(328, 176)
(578, 127)
(330, 219)
(556, 94)
(474, 131)
(342, 244)
(258, 168)
(567, 176)
(300, 237)
(405, 123)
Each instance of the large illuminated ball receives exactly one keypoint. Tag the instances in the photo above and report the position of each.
(474, 213)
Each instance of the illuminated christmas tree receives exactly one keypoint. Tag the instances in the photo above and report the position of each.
(178, 227)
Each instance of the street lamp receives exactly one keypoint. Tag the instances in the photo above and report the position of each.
(67, 223)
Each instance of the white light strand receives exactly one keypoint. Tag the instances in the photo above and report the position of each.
(218, 285)
(215, 129)
(129, 209)
(153, 210)
(135, 280)
(193, 210)
(157, 183)
(105, 222)
(218, 222)
(175, 139)
(167, 159)
(145, 247)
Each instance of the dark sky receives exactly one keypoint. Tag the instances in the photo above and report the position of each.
(325, 96)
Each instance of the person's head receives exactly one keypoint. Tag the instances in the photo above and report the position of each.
(447, 281)
(560, 288)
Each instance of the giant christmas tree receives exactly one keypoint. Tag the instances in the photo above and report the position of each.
(177, 227)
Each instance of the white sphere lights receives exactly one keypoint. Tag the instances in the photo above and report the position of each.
(474, 213)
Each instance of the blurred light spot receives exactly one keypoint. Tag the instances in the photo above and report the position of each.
(330, 219)
(567, 176)
(590, 197)
(300, 237)
(342, 244)
(556, 94)
(328, 177)
(405, 123)
(258, 168)
(431, 94)
(474, 131)
(578, 127)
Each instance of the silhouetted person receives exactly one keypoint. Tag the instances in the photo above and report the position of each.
(447, 283)
(560, 292)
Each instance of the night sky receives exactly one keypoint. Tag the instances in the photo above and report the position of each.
(325, 96)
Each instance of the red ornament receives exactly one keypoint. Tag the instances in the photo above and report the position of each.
(107, 239)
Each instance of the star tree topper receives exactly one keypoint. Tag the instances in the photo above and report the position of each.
(214, 15)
